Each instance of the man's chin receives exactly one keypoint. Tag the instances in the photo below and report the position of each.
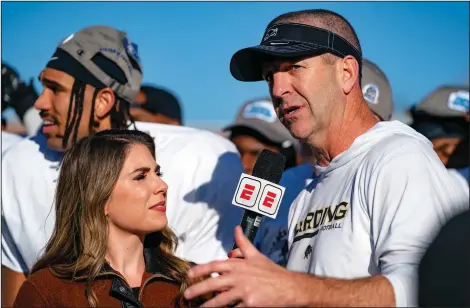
(297, 130)
(55, 144)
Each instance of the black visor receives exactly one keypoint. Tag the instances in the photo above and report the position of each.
(289, 40)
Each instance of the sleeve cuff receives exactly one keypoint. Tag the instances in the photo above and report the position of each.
(10, 255)
(8, 262)
(404, 287)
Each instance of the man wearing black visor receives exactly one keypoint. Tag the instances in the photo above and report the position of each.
(357, 233)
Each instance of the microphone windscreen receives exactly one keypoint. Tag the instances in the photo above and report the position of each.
(269, 166)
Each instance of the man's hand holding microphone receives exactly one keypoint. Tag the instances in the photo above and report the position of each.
(249, 278)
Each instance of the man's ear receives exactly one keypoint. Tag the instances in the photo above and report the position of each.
(350, 73)
(105, 100)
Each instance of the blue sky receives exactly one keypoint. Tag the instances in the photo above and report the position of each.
(186, 46)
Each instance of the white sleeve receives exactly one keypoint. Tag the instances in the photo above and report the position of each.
(27, 204)
(211, 173)
(408, 200)
(11, 257)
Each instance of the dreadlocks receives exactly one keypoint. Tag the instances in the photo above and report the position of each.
(120, 113)
(78, 92)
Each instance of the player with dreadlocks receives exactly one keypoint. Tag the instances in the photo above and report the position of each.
(98, 80)
(89, 83)
(119, 113)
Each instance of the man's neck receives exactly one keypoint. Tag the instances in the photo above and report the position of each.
(355, 121)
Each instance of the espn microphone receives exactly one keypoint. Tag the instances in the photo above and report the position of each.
(259, 194)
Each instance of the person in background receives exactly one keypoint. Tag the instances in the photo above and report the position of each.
(377, 90)
(110, 208)
(256, 128)
(443, 117)
(156, 105)
(89, 83)
(20, 96)
(272, 239)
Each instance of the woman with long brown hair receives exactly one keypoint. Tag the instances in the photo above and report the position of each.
(111, 245)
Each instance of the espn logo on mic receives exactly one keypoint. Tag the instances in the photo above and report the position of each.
(258, 195)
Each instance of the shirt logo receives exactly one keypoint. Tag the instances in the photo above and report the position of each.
(324, 219)
(308, 251)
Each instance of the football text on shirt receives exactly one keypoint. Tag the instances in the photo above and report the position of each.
(316, 220)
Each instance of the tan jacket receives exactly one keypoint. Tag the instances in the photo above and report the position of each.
(44, 289)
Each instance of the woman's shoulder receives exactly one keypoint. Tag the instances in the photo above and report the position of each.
(35, 291)
(42, 275)
(44, 280)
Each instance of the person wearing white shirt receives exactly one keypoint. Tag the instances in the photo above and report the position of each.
(87, 88)
(358, 231)
(273, 232)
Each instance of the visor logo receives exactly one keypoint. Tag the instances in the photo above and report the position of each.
(68, 38)
(270, 33)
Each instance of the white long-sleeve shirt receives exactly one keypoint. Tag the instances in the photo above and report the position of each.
(201, 169)
(374, 210)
